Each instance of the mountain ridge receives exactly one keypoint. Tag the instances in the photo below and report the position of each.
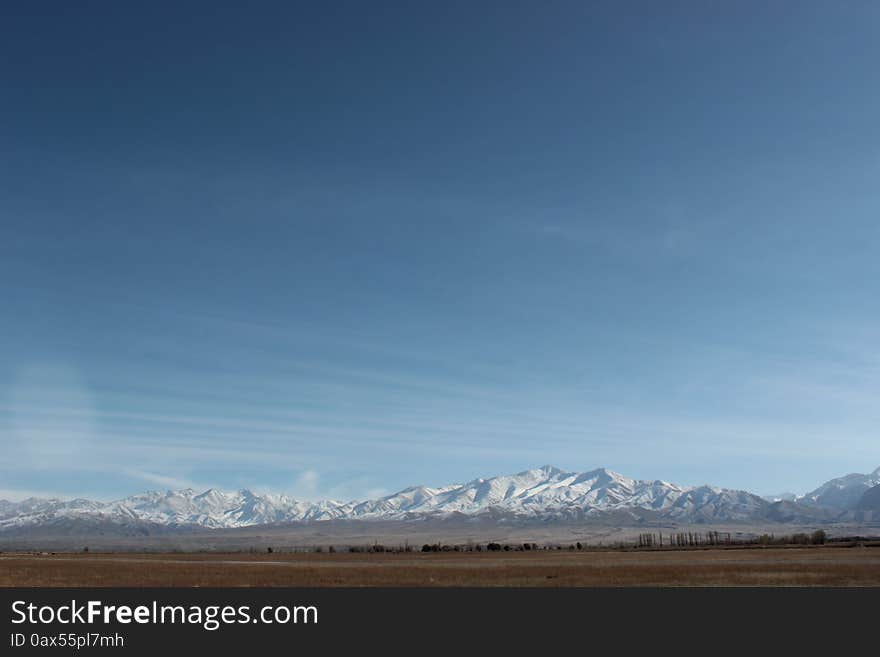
(547, 492)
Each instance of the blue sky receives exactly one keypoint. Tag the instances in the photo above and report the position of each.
(338, 249)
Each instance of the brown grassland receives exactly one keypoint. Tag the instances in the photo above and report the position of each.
(757, 566)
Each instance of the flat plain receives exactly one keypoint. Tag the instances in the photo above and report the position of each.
(755, 566)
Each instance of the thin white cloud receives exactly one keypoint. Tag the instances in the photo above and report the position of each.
(158, 479)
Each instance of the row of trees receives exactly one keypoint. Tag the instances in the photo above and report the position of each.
(684, 539)
(646, 540)
(818, 537)
(714, 538)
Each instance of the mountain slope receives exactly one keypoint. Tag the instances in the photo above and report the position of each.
(842, 493)
(870, 501)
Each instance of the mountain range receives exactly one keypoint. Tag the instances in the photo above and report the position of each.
(545, 494)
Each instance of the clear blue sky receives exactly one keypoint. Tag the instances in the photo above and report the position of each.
(338, 249)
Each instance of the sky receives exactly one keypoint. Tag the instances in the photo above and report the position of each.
(336, 249)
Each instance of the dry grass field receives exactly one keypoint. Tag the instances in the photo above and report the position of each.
(804, 566)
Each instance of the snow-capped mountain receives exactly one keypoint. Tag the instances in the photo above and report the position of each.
(544, 493)
(549, 492)
(843, 492)
(214, 508)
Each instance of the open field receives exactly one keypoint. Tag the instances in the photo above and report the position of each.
(802, 566)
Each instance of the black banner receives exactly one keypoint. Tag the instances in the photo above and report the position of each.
(233, 621)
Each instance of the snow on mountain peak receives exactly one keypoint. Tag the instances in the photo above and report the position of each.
(546, 492)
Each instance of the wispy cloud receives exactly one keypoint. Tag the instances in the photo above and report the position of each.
(158, 479)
